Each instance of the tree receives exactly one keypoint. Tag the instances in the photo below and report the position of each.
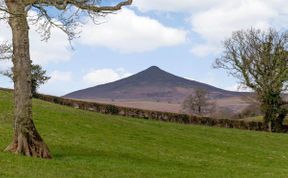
(66, 15)
(259, 59)
(38, 77)
(198, 103)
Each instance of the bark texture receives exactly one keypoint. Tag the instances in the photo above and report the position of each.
(27, 140)
(274, 113)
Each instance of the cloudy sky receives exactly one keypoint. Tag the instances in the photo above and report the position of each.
(182, 37)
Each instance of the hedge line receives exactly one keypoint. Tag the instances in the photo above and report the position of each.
(153, 115)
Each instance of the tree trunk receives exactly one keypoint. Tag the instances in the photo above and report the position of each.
(279, 126)
(199, 110)
(274, 114)
(27, 140)
(268, 117)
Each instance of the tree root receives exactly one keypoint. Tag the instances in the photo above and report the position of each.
(29, 146)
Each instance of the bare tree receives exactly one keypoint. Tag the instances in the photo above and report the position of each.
(260, 61)
(66, 15)
(198, 103)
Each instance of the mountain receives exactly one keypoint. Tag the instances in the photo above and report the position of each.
(152, 84)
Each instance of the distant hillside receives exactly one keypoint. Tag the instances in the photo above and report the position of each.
(150, 85)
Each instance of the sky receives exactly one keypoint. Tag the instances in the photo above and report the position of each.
(183, 37)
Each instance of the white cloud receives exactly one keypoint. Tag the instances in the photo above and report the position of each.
(60, 83)
(214, 20)
(173, 6)
(192, 6)
(202, 50)
(5, 65)
(55, 50)
(219, 21)
(127, 32)
(102, 76)
(60, 76)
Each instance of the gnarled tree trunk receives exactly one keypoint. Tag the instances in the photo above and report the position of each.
(274, 114)
(27, 140)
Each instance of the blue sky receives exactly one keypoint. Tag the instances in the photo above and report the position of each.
(182, 37)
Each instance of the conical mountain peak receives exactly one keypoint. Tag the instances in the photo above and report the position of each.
(154, 68)
(147, 85)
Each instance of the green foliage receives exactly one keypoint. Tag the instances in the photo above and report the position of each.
(38, 77)
(260, 61)
(88, 144)
(111, 109)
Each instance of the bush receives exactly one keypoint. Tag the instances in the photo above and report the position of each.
(111, 109)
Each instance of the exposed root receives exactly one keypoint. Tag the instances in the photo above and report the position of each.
(29, 146)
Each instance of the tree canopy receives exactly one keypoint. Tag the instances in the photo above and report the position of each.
(259, 60)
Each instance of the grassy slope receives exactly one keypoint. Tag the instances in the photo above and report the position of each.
(86, 144)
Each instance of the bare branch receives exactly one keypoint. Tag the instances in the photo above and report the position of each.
(46, 22)
(259, 59)
(3, 11)
(6, 51)
(88, 5)
(68, 18)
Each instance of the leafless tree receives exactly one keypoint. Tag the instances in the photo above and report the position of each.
(198, 103)
(259, 59)
(66, 15)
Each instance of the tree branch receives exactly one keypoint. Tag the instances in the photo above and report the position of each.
(6, 51)
(66, 25)
(84, 5)
(68, 18)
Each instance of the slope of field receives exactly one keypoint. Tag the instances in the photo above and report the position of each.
(87, 144)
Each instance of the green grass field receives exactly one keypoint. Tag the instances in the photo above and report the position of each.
(87, 144)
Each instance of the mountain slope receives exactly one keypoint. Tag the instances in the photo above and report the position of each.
(87, 144)
(150, 84)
